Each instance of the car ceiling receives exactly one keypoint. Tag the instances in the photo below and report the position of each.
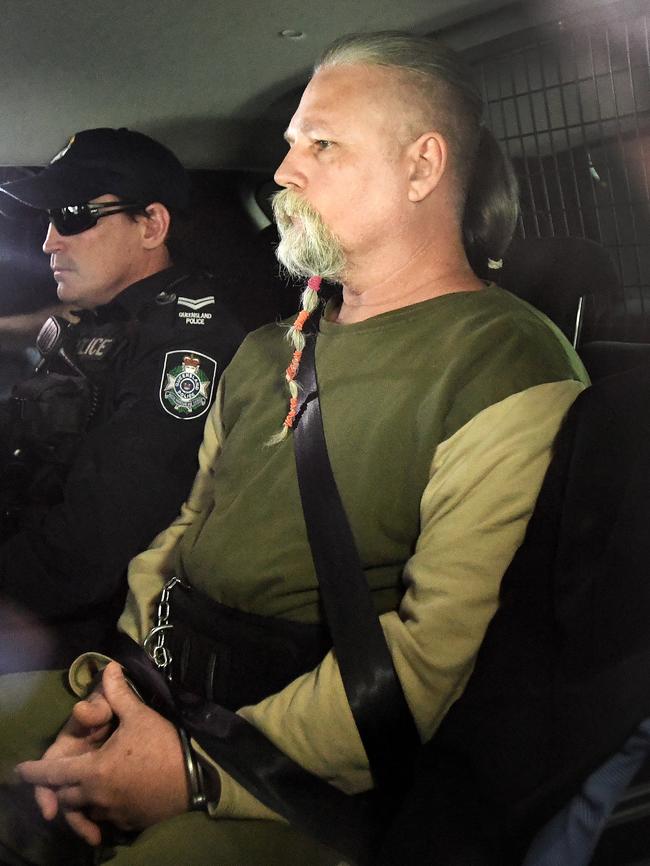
(213, 79)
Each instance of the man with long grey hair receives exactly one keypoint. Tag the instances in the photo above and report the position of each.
(441, 396)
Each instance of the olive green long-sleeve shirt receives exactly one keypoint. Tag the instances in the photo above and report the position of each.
(439, 419)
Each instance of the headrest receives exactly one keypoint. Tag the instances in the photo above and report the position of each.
(553, 273)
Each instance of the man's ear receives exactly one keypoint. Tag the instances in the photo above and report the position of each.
(155, 226)
(428, 160)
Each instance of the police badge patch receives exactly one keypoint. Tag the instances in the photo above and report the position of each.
(187, 383)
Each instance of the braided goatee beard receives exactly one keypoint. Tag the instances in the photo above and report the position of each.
(307, 246)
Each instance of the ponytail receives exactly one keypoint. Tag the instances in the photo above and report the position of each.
(491, 207)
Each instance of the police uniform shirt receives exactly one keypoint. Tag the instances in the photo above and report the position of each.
(153, 357)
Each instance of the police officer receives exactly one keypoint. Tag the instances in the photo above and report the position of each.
(110, 424)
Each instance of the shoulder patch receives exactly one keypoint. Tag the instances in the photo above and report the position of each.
(195, 303)
(187, 383)
(192, 314)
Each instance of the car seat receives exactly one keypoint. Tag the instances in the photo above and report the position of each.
(575, 283)
(558, 276)
(563, 676)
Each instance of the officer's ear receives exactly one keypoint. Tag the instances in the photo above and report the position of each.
(155, 225)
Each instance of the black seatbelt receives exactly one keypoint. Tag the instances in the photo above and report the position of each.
(374, 692)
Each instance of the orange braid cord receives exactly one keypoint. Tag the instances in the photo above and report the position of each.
(301, 318)
(292, 370)
(295, 334)
(293, 409)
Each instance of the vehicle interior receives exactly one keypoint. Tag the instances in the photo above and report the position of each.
(566, 85)
(566, 90)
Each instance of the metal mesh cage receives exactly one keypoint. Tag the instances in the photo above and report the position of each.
(571, 105)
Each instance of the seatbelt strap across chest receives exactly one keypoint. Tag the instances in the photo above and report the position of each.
(373, 689)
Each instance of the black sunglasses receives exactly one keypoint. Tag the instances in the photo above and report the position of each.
(76, 218)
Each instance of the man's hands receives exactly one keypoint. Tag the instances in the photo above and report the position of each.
(132, 775)
(87, 728)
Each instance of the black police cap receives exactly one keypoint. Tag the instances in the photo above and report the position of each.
(98, 162)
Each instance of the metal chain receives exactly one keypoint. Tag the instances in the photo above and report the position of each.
(154, 642)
